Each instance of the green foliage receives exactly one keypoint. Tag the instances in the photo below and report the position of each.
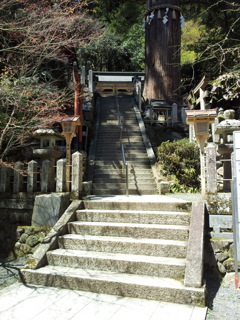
(111, 53)
(105, 53)
(134, 44)
(227, 86)
(180, 160)
(191, 34)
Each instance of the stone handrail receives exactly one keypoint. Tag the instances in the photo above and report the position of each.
(194, 264)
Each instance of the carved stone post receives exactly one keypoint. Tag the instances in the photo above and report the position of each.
(211, 168)
(61, 176)
(4, 179)
(18, 177)
(77, 174)
(32, 176)
(48, 177)
(90, 81)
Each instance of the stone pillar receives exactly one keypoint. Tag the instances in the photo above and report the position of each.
(184, 116)
(4, 179)
(191, 133)
(18, 177)
(77, 174)
(211, 168)
(32, 176)
(140, 96)
(61, 175)
(232, 165)
(90, 81)
(174, 114)
(203, 175)
(216, 137)
(83, 76)
(48, 177)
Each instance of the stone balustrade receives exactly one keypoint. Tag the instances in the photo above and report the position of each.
(44, 178)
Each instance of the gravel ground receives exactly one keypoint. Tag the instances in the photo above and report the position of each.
(223, 300)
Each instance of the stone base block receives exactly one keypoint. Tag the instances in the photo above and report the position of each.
(48, 208)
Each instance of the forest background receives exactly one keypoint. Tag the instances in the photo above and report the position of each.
(40, 40)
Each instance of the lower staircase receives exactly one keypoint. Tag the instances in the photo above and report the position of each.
(126, 248)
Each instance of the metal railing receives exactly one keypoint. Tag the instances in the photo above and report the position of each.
(125, 165)
(120, 125)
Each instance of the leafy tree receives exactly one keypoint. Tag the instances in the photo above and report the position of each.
(106, 53)
(25, 105)
(38, 43)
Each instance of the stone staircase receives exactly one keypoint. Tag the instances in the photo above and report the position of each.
(126, 248)
(108, 175)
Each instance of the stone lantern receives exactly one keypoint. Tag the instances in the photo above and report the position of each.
(201, 119)
(225, 129)
(48, 149)
(69, 126)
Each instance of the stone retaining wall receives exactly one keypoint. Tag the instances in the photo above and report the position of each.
(219, 257)
(26, 240)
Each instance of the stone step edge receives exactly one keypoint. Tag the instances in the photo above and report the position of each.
(119, 257)
(116, 211)
(130, 225)
(115, 239)
(147, 287)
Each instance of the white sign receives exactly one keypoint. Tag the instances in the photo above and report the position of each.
(236, 193)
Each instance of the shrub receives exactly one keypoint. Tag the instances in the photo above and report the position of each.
(179, 160)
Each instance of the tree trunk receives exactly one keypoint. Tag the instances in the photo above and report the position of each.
(163, 40)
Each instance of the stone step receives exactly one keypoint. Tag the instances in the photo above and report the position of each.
(115, 146)
(114, 229)
(101, 174)
(106, 172)
(118, 163)
(145, 287)
(116, 168)
(143, 246)
(118, 154)
(118, 262)
(122, 179)
(134, 216)
(139, 158)
(110, 192)
(114, 121)
(116, 130)
(137, 205)
(125, 140)
(115, 135)
(131, 185)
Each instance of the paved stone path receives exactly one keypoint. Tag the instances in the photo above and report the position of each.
(19, 302)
